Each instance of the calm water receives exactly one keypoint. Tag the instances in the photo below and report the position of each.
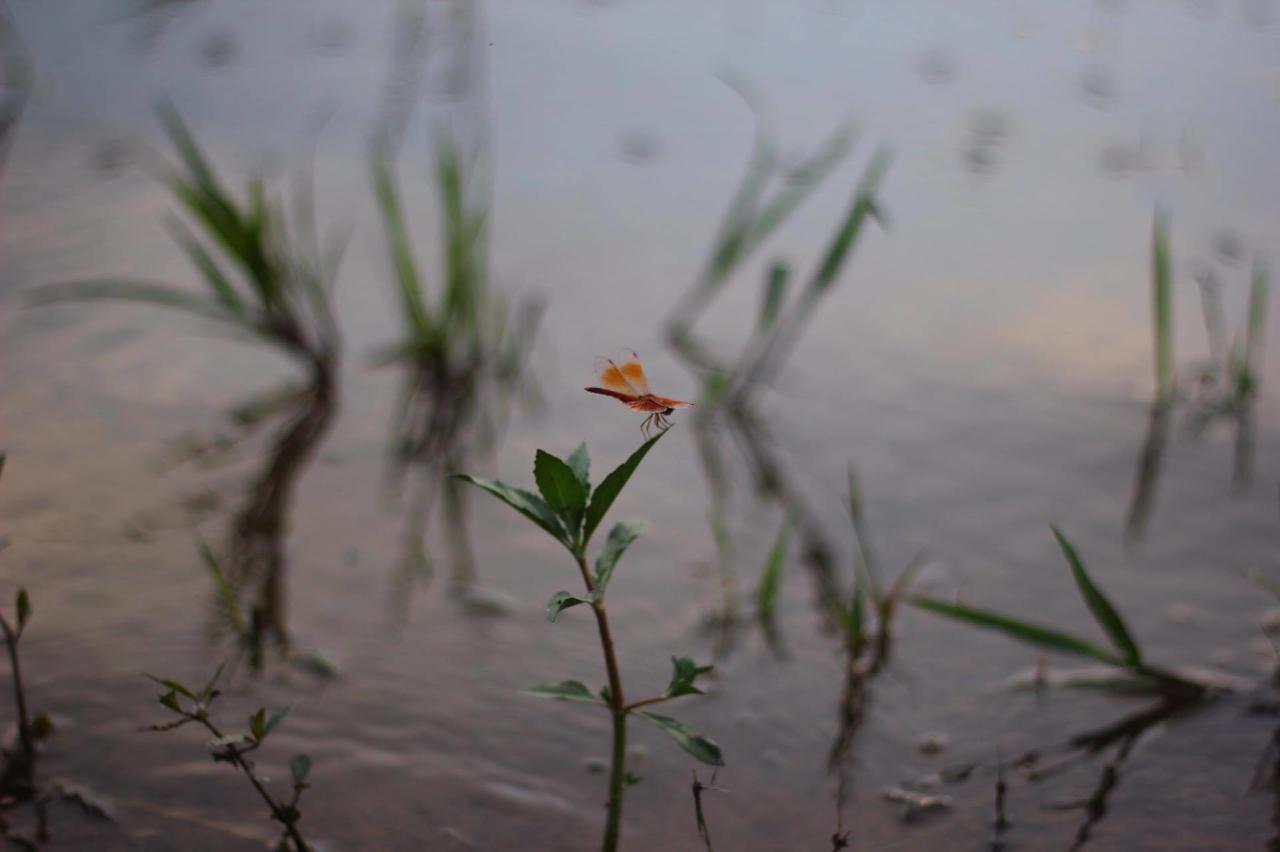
(985, 363)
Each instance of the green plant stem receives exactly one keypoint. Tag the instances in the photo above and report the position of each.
(287, 815)
(20, 700)
(617, 709)
(644, 702)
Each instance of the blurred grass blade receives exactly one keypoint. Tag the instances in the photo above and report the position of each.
(1034, 634)
(864, 205)
(775, 293)
(135, 291)
(1162, 306)
(771, 577)
(1103, 612)
(401, 247)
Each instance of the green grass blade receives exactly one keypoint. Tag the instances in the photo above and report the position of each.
(863, 206)
(1103, 612)
(1034, 634)
(771, 577)
(221, 286)
(399, 244)
(1162, 306)
(775, 293)
(146, 292)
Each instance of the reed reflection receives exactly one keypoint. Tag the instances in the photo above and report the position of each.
(464, 347)
(1223, 388)
(266, 279)
(732, 388)
(15, 81)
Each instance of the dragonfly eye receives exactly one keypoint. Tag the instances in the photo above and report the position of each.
(668, 411)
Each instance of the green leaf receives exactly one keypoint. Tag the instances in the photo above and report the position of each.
(276, 718)
(612, 486)
(300, 768)
(258, 723)
(697, 745)
(561, 488)
(565, 690)
(775, 291)
(226, 595)
(631, 779)
(561, 601)
(170, 699)
(580, 461)
(1103, 612)
(23, 605)
(1034, 634)
(173, 685)
(684, 672)
(620, 538)
(208, 691)
(771, 577)
(530, 505)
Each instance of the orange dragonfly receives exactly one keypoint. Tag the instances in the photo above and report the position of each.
(627, 383)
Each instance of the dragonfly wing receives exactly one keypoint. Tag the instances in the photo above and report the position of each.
(634, 374)
(667, 402)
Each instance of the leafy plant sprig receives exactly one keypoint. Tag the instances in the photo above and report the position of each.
(1124, 652)
(190, 705)
(570, 511)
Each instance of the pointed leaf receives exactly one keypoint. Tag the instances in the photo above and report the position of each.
(23, 605)
(170, 699)
(274, 720)
(300, 768)
(174, 686)
(560, 487)
(771, 577)
(620, 538)
(1043, 637)
(226, 595)
(561, 601)
(565, 690)
(1103, 612)
(684, 672)
(258, 723)
(612, 486)
(580, 461)
(530, 505)
(208, 691)
(697, 745)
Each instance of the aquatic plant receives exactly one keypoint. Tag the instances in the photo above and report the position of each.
(18, 778)
(869, 597)
(1222, 387)
(768, 194)
(267, 280)
(464, 353)
(1124, 653)
(570, 510)
(192, 706)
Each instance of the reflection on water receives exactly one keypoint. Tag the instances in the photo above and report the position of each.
(973, 371)
(15, 81)
(728, 406)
